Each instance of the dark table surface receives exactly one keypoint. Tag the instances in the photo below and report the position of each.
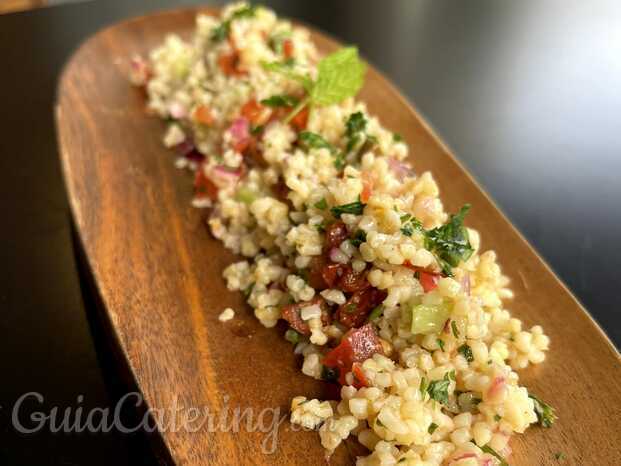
(527, 93)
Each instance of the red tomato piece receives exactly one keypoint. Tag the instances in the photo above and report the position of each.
(287, 48)
(331, 274)
(253, 111)
(203, 186)
(360, 379)
(336, 233)
(291, 313)
(356, 346)
(351, 281)
(428, 280)
(300, 120)
(229, 63)
(355, 310)
(367, 188)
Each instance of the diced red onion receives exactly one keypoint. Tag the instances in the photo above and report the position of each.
(177, 111)
(240, 129)
(338, 256)
(496, 387)
(400, 169)
(185, 147)
(465, 283)
(140, 71)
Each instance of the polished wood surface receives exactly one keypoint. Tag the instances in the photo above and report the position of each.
(159, 274)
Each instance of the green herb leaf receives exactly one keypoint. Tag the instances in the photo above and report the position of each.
(222, 31)
(340, 75)
(314, 141)
(466, 352)
(559, 456)
(285, 68)
(432, 428)
(454, 329)
(248, 290)
(440, 344)
(438, 389)
(491, 451)
(396, 137)
(354, 128)
(257, 130)
(355, 208)
(322, 204)
(376, 313)
(450, 242)
(545, 412)
(276, 41)
(423, 386)
(410, 224)
(497, 417)
(280, 101)
(358, 238)
(292, 336)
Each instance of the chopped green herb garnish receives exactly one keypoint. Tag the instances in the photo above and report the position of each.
(358, 238)
(339, 161)
(560, 456)
(454, 329)
(248, 290)
(440, 344)
(545, 412)
(354, 127)
(450, 242)
(292, 336)
(432, 427)
(314, 141)
(354, 208)
(222, 31)
(452, 375)
(396, 137)
(330, 374)
(466, 352)
(376, 313)
(497, 417)
(351, 307)
(276, 41)
(438, 389)
(410, 224)
(257, 130)
(321, 227)
(491, 451)
(322, 204)
(280, 101)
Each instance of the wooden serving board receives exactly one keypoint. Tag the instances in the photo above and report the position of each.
(158, 274)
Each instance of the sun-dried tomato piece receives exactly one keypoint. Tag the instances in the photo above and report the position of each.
(291, 313)
(336, 233)
(354, 312)
(352, 281)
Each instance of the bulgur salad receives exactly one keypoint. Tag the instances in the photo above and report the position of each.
(384, 293)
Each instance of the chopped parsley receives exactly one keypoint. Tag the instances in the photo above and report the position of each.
(354, 208)
(432, 427)
(276, 41)
(322, 204)
(376, 313)
(311, 140)
(423, 387)
(292, 336)
(396, 137)
(440, 344)
(222, 31)
(454, 329)
(248, 290)
(438, 389)
(466, 352)
(257, 130)
(359, 237)
(491, 451)
(560, 456)
(450, 242)
(545, 412)
(497, 417)
(409, 224)
(354, 128)
(280, 101)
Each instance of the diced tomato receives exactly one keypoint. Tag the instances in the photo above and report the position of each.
(300, 120)
(229, 64)
(367, 188)
(355, 310)
(203, 186)
(356, 346)
(203, 115)
(252, 154)
(253, 111)
(428, 280)
(360, 379)
(331, 273)
(336, 233)
(351, 281)
(291, 313)
(287, 48)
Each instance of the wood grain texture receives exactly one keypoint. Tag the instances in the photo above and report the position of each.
(159, 275)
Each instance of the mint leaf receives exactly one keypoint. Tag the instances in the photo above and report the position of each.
(322, 204)
(355, 208)
(222, 31)
(450, 242)
(340, 75)
(280, 101)
(438, 389)
(545, 412)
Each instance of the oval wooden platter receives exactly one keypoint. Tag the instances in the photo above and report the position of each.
(158, 274)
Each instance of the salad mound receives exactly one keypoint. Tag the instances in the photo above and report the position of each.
(385, 294)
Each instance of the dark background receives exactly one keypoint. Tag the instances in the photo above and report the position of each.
(528, 94)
